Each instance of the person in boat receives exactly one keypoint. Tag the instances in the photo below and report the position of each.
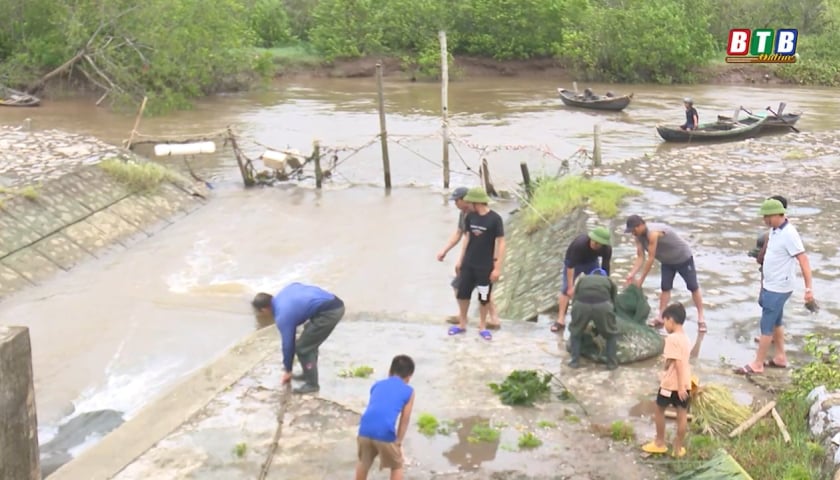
(582, 256)
(589, 95)
(691, 117)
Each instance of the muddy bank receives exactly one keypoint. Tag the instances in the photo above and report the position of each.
(465, 67)
(59, 208)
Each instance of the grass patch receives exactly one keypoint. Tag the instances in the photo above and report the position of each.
(523, 387)
(529, 440)
(484, 432)
(362, 371)
(240, 449)
(546, 424)
(572, 418)
(301, 55)
(554, 197)
(139, 177)
(761, 450)
(621, 431)
(29, 192)
(427, 424)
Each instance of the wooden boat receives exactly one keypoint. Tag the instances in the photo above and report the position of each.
(613, 104)
(773, 121)
(13, 98)
(710, 132)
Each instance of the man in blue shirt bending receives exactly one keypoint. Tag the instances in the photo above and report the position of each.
(292, 306)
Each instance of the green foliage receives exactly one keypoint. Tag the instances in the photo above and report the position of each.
(529, 440)
(484, 432)
(346, 28)
(145, 176)
(555, 197)
(523, 387)
(240, 449)
(362, 371)
(822, 369)
(270, 22)
(546, 424)
(427, 424)
(659, 40)
(621, 431)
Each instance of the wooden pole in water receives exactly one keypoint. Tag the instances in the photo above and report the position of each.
(136, 124)
(383, 133)
(485, 177)
(444, 94)
(596, 149)
(316, 157)
(526, 178)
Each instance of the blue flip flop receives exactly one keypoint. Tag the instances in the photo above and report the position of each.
(455, 330)
(485, 334)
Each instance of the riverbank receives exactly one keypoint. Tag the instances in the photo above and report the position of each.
(60, 203)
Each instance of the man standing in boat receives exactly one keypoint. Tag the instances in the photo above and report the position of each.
(657, 241)
(691, 117)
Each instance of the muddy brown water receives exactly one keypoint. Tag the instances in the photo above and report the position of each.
(114, 333)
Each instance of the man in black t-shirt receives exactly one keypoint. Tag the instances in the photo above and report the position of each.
(581, 259)
(457, 236)
(480, 264)
(691, 117)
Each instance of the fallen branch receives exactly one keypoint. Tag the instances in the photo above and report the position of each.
(752, 420)
(57, 71)
(781, 425)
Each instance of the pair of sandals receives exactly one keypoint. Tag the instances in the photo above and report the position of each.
(748, 370)
(456, 330)
(652, 447)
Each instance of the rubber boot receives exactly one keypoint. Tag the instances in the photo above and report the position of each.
(612, 351)
(310, 377)
(574, 341)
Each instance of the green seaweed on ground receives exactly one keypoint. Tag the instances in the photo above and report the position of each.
(143, 176)
(529, 440)
(546, 424)
(554, 197)
(240, 449)
(484, 432)
(622, 431)
(427, 424)
(523, 387)
(362, 371)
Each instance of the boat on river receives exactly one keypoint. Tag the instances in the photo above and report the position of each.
(773, 122)
(607, 102)
(13, 98)
(711, 132)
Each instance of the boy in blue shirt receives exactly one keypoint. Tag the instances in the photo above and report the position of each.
(389, 399)
(294, 305)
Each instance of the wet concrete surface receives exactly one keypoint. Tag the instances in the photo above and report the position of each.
(231, 437)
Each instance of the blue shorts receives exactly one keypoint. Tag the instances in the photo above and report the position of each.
(772, 307)
(579, 270)
(686, 271)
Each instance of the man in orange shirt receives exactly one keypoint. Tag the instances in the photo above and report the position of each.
(675, 382)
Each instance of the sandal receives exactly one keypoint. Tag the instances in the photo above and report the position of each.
(652, 447)
(773, 364)
(455, 330)
(485, 334)
(558, 327)
(701, 327)
(679, 454)
(746, 370)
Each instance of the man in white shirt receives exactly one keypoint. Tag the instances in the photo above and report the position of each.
(784, 251)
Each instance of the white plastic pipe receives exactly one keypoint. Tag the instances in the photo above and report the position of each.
(166, 149)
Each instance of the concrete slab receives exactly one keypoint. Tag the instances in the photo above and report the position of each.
(137, 215)
(11, 281)
(151, 206)
(31, 264)
(92, 190)
(166, 206)
(232, 434)
(94, 175)
(116, 228)
(13, 234)
(19, 434)
(91, 237)
(62, 250)
(48, 213)
(185, 201)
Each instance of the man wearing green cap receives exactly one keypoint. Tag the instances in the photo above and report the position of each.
(784, 251)
(480, 264)
(582, 257)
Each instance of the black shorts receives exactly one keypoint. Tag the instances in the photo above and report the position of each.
(472, 278)
(686, 271)
(674, 400)
(456, 282)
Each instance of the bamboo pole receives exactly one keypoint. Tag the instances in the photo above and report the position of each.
(136, 124)
(444, 94)
(526, 179)
(596, 149)
(781, 424)
(383, 133)
(316, 157)
(752, 420)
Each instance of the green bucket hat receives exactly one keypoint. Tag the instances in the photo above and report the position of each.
(600, 235)
(477, 195)
(772, 207)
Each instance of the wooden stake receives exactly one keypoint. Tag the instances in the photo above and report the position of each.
(383, 133)
(526, 178)
(316, 157)
(752, 420)
(781, 425)
(596, 149)
(136, 124)
(485, 177)
(444, 94)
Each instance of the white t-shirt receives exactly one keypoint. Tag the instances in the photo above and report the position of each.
(780, 262)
